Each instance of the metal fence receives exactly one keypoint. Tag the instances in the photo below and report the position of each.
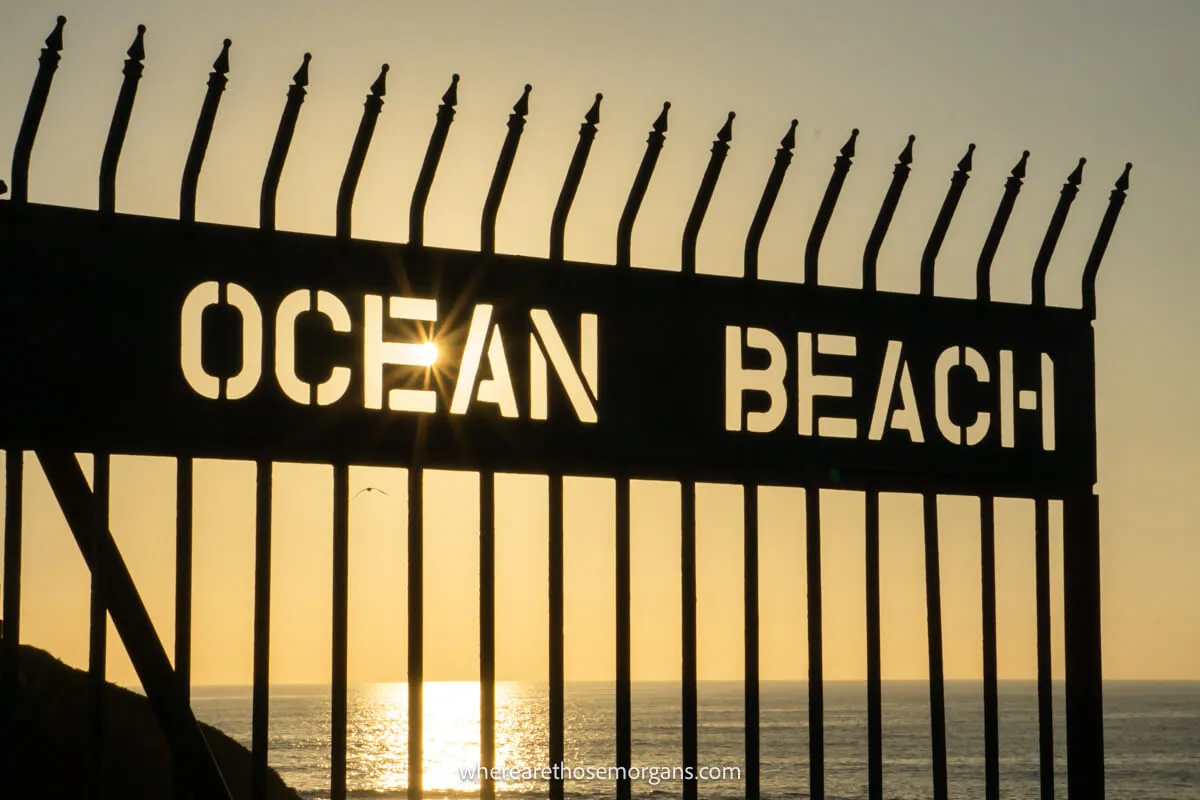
(36, 237)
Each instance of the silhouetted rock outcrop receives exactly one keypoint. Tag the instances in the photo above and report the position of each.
(51, 747)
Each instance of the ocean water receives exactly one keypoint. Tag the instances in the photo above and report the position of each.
(1152, 739)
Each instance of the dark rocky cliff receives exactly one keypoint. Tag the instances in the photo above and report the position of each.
(51, 748)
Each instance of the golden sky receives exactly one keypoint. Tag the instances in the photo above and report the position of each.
(1109, 81)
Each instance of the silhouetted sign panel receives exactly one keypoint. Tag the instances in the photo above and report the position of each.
(149, 336)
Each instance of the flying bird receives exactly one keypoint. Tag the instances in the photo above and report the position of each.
(369, 489)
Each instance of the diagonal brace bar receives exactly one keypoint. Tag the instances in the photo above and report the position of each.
(133, 624)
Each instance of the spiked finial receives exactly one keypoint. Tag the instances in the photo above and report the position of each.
(1018, 171)
(450, 98)
(812, 250)
(726, 133)
(22, 153)
(521, 108)
(660, 124)
(758, 225)
(301, 77)
(691, 230)
(788, 142)
(54, 42)
(1076, 177)
(965, 164)
(848, 147)
(221, 65)
(592, 117)
(1122, 184)
(906, 155)
(137, 50)
(379, 87)
(1116, 200)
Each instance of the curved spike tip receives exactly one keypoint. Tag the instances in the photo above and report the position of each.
(726, 133)
(450, 98)
(54, 41)
(221, 65)
(521, 108)
(137, 50)
(1076, 177)
(788, 142)
(906, 155)
(1018, 171)
(593, 115)
(301, 76)
(379, 87)
(965, 164)
(660, 124)
(848, 147)
(1122, 183)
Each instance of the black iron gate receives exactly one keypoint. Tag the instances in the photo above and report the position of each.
(132, 335)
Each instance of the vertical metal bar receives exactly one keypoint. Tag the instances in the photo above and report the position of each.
(283, 142)
(991, 700)
(487, 631)
(120, 122)
(624, 660)
(942, 225)
(183, 606)
(557, 699)
(341, 620)
(688, 608)
(1085, 698)
(883, 220)
(812, 250)
(358, 153)
(259, 743)
(262, 630)
(1045, 690)
(566, 197)
(14, 469)
(937, 688)
(758, 226)
(983, 272)
(98, 638)
(874, 656)
(416, 630)
(641, 181)
(750, 605)
(1115, 200)
(816, 675)
(708, 184)
(182, 774)
(433, 155)
(508, 152)
(204, 127)
(23, 151)
(1041, 264)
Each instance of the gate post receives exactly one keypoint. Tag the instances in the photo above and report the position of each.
(1085, 700)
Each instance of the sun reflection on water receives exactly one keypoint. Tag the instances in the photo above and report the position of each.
(377, 749)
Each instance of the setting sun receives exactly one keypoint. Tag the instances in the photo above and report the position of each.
(427, 354)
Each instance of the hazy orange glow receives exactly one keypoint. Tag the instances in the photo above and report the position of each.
(771, 62)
